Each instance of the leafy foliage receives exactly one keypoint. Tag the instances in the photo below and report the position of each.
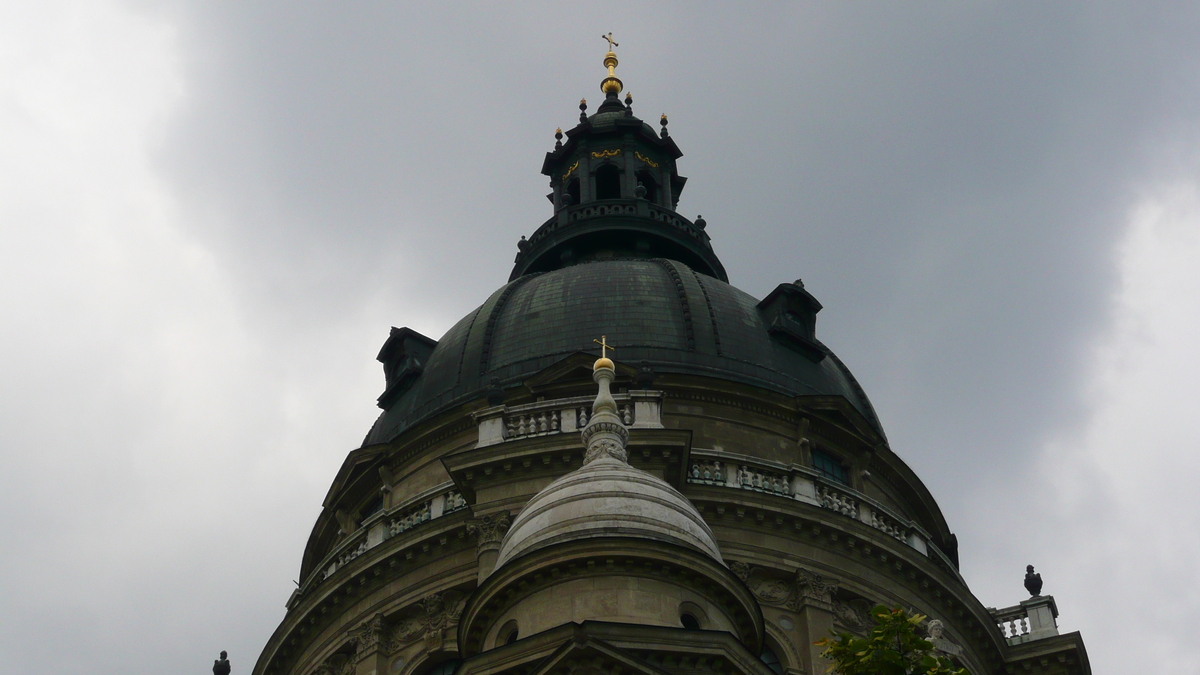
(892, 647)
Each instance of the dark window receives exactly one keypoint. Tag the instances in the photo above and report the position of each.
(608, 182)
(768, 657)
(689, 621)
(512, 637)
(374, 506)
(829, 467)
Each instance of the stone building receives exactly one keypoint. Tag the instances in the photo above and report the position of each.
(711, 500)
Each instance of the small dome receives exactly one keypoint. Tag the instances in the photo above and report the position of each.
(607, 498)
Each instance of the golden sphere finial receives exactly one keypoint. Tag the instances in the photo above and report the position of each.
(610, 84)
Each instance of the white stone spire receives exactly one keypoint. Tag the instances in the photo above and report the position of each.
(605, 435)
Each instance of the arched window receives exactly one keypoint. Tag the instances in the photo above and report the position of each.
(608, 182)
(646, 180)
(689, 621)
(508, 633)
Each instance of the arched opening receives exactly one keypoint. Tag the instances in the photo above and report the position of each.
(646, 180)
(572, 192)
(508, 633)
(608, 182)
(771, 659)
(689, 621)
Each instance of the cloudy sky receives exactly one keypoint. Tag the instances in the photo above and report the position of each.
(211, 214)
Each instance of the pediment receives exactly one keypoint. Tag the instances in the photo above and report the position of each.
(603, 648)
(570, 371)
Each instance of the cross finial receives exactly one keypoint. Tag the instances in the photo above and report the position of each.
(604, 346)
(611, 42)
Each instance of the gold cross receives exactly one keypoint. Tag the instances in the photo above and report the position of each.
(604, 346)
(611, 43)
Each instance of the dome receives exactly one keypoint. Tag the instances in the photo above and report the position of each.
(607, 498)
(655, 310)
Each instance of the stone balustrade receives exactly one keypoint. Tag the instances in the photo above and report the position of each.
(639, 409)
(716, 467)
(384, 525)
(1032, 619)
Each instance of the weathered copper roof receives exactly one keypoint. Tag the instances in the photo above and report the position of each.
(656, 310)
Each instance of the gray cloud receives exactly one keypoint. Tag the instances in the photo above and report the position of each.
(950, 181)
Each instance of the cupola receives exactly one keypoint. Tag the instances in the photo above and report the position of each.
(614, 188)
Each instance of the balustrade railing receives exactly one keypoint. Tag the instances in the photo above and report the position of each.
(745, 473)
(638, 410)
(386, 525)
(1032, 619)
(1013, 621)
(836, 501)
(760, 480)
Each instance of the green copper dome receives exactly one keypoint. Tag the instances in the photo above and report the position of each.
(655, 310)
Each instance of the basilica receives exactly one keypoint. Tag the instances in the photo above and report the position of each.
(621, 464)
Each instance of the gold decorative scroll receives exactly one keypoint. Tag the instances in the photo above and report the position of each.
(570, 170)
(601, 154)
(647, 160)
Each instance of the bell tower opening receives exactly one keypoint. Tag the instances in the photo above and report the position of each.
(646, 181)
(573, 191)
(608, 182)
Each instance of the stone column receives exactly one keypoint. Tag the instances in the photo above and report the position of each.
(488, 532)
(812, 600)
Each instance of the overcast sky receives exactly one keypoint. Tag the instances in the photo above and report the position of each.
(211, 214)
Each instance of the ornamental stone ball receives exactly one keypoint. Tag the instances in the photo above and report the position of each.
(1033, 581)
(221, 665)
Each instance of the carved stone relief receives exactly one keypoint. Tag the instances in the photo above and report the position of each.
(366, 636)
(489, 530)
(437, 614)
(853, 614)
(805, 589)
(337, 664)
